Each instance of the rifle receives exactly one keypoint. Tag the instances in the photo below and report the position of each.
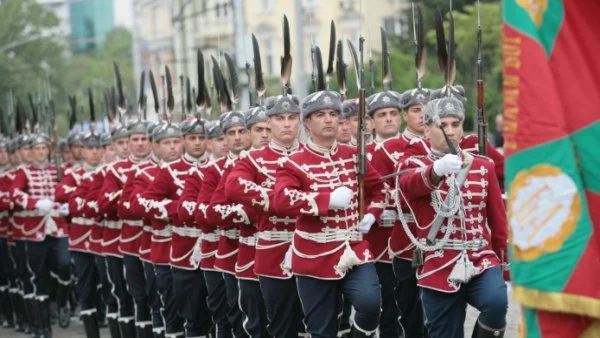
(329, 72)
(56, 156)
(386, 79)
(259, 83)
(362, 125)
(481, 116)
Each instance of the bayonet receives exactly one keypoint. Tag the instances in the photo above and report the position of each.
(182, 92)
(286, 59)
(188, 101)
(321, 85)
(386, 80)
(221, 87)
(419, 41)
(340, 69)
(247, 68)
(141, 100)
(155, 97)
(259, 83)
(92, 110)
(332, 41)
(481, 114)
(121, 105)
(233, 79)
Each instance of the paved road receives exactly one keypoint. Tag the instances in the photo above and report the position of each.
(76, 328)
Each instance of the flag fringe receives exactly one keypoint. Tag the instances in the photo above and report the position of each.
(557, 302)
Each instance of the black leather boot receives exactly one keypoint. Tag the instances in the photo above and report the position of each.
(482, 331)
(144, 331)
(90, 325)
(127, 328)
(45, 328)
(113, 326)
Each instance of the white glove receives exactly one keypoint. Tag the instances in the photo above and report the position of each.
(389, 214)
(340, 198)
(449, 164)
(367, 222)
(63, 210)
(44, 205)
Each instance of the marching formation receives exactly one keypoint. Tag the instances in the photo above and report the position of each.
(236, 228)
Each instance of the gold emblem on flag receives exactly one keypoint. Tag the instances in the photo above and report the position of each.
(535, 8)
(544, 207)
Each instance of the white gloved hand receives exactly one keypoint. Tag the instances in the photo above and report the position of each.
(366, 223)
(63, 210)
(44, 205)
(340, 198)
(449, 164)
(389, 214)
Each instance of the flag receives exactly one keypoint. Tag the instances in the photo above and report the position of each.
(551, 89)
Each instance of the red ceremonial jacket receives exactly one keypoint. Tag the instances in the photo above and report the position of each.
(211, 174)
(326, 243)
(32, 183)
(186, 211)
(484, 219)
(73, 190)
(172, 243)
(6, 178)
(120, 231)
(251, 184)
(230, 218)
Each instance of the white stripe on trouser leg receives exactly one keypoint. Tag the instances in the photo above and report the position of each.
(367, 333)
(246, 319)
(112, 286)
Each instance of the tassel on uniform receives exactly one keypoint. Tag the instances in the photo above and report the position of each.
(286, 265)
(196, 256)
(347, 260)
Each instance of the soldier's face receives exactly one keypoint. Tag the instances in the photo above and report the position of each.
(26, 154)
(284, 127)
(354, 126)
(343, 133)
(170, 148)
(218, 146)
(260, 134)
(14, 158)
(109, 153)
(414, 118)
(76, 151)
(66, 155)
(3, 156)
(238, 139)
(386, 122)
(121, 147)
(322, 125)
(453, 128)
(41, 152)
(139, 145)
(92, 155)
(195, 144)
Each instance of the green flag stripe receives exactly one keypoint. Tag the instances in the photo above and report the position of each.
(586, 143)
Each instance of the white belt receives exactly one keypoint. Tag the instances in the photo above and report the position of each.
(250, 241)
(210, 237)
(147, 228)
(285, 220)
(457, 244)
(166, 232)
(273, 235)
(83, 221)
(133, 223)
(3, 214)
(335, 235)
(231, 233)
(113, 224)
(187, 232)
(35, 213)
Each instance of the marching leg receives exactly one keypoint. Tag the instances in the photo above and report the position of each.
(253, 308)
(234, 314)
(388, 323)
(126, 319)
(164, 285)
(158, 323)
(407, 298)
(487, 293)
(190, 292)
(217, 303)
(87, 278)
(283, 307)
(136, 286)
(362, 287)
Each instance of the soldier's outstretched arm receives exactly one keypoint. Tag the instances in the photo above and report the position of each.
(417, 183)
(290, 197)
(241, 187)
(17, 192)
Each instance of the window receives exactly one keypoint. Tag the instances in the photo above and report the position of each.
(393, 26)
(218, 10)
(347, 4)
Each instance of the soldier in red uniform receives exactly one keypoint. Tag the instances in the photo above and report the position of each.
(182, 287)
(7, 271)
(167, 140)
(74, 190)
(461, 229)
(383, 152)
(44, 230)
(250, 296)
(230, 216)
(120, 238)
(193, 206)
(251, 183)
(318, 185)
(110, 235)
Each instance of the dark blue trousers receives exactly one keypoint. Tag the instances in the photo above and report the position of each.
(321, 302)
(217, 303)
(87, 281)
(164, 285)
(50, 254)
(19, 254)
(253, 307)
(158, 323)
(388, 323)
(234, 313)
(445, 312)
(135, 280)
(112, 305)
(408, 300)
(7, 268)
(116, 278)
(189, 288)
(283, 307)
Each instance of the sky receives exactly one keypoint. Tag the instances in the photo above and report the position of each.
(123, 13)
